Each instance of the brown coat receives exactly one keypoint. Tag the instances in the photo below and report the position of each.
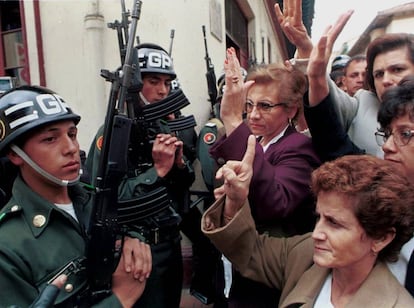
(287, 263)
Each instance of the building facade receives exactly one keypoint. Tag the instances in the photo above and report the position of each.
(396, 19)
(64, 44)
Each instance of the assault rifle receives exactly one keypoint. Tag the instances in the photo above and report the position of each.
(210, 74)
(101, 256)
(150, 121)
(122, 30)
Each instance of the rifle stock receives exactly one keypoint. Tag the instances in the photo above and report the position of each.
(101, 255)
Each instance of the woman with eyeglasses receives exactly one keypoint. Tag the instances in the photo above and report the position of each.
(396, 117)
(280, 198)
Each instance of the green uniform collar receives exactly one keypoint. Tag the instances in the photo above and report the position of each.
(36, 211)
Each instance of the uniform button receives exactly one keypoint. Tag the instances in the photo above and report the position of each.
(14, 208)
(221, 161)
(39, 221)
(69, 287)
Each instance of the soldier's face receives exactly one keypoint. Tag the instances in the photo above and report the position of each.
(156, 87)
(55, 149)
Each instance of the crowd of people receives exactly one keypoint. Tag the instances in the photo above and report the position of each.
(288, 141)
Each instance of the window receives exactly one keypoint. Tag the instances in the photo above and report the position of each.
(12, 47)
(236, 31)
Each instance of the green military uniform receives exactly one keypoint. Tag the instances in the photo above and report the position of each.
(162, 230)
(37, 239)
(209, 134)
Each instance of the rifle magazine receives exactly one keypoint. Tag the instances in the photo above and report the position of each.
(150, 204)
(172, 103)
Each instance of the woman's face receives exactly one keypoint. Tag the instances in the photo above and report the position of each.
(390, 67)
(267, 123)
(339, 239)
(401, 155)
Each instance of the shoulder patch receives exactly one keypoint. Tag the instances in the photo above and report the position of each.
(209, 138)
(99, 143)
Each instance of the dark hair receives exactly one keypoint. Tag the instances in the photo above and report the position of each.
(380, 198)
(385, 43)
(397, 102)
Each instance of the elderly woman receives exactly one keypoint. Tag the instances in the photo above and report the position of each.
(364, 214)
(280, 198)
(396, 116)
(272, 101)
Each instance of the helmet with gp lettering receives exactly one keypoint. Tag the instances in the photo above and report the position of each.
(27, 107)
(154, 59)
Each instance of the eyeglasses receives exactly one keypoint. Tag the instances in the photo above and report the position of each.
(261, 106)
(400, 137)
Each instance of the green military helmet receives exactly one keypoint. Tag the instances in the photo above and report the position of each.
(155, 59)
(27, 107)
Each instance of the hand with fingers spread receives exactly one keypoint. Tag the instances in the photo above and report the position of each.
(237, 176)
(290, 21)
(234, 97)
(319, 59)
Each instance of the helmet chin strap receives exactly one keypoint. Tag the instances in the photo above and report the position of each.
(146, 102)
(42, 172)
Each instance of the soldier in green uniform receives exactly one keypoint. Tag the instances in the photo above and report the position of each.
(212, 131)
(43, 226)
(158, 161)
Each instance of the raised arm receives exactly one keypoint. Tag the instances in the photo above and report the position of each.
(234, 97)
(291, 22)
(319, 58)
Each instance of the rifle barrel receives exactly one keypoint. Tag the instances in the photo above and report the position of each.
(127, 67)
(171, 41)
